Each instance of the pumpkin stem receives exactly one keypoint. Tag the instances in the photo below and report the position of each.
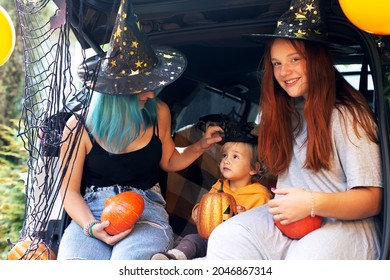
(221, 187)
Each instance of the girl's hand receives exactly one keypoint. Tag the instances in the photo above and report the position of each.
(290, 204)
(99, 233)
(240, 209)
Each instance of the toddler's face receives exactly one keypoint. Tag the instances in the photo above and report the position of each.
(236, 161)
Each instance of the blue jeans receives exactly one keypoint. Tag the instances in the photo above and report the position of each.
(151, 234)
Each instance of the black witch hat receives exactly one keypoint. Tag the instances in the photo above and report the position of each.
(131, 64)
(238, 130)
(234, 128)
(304, 20)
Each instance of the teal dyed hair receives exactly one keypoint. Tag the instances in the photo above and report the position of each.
(116, 120)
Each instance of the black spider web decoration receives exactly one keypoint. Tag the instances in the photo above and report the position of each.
(50, 98)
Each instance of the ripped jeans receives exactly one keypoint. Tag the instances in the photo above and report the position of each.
(151, 234)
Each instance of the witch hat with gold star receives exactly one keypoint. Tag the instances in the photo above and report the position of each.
(303, 20)
(132, 65)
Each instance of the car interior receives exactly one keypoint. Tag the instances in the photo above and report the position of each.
(223, 76)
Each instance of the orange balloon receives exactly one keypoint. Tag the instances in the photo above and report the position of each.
(7, 35)
(371, 16)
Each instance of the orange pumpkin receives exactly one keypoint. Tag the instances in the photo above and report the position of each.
(31, 250)
(122, 210)
(214, 208)
(298, 229)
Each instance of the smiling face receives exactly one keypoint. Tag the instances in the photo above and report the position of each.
(289, 68)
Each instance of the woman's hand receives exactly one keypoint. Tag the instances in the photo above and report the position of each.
(177, 158)
(290, 204)
(212, 135)
(99, 233)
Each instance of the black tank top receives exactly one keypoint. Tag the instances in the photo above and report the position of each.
(139, 169)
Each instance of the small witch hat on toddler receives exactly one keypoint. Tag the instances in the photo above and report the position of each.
(132, 65)
(234, 128)
(238, 130)
(304, 20)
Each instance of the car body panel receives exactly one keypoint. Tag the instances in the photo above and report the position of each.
(222, 61)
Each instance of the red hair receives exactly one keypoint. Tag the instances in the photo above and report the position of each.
(327, 90)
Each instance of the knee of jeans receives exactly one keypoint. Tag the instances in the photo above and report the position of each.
(166, 228)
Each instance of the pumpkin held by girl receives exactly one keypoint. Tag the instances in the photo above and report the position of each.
(122, 210)
(298, 229)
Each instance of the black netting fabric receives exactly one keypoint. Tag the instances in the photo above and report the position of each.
(51, 96)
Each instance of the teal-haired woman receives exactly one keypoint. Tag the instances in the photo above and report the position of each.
(125, 140)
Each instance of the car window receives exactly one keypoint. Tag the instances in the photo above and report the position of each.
(351, 72)
(209, 101)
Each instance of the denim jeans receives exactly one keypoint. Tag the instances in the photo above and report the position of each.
(151, 234)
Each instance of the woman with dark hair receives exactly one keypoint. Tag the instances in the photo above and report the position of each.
(318, 135)
(121, 145)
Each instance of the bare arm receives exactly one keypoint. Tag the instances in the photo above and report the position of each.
(175, 159)
(357, 203)
(74, 203)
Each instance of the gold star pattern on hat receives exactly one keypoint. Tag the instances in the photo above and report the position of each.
(131, 64)
(300, 16)
(303, 20)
